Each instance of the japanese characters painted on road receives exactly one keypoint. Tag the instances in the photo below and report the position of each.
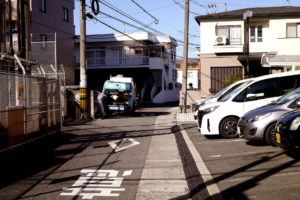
(116, 144)
(97, 183)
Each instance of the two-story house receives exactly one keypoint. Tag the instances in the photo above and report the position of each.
(149, 59)
(273, 39)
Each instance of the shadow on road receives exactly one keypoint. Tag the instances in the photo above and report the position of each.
(198, 188)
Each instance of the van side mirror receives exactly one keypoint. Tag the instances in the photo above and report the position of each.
(252, 97)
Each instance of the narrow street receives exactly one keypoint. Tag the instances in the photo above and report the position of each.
(147, 156)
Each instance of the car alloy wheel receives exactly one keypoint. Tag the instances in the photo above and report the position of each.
(228, 127)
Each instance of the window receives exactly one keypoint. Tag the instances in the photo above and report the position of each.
(259, 34)
(43, 6)
(293, 30)
(96, 56)
(256, 33)
(65, 14)
(43, 41)
(252, 33)
(232, 33)
(190, 75)
(261, 90)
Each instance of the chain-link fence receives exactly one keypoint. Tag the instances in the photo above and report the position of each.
(30, 105)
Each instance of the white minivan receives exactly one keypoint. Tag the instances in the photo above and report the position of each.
(222, 117)
(219, 95)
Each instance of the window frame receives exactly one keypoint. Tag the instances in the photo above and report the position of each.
(258, 33)
(228, 33)
(296, 24)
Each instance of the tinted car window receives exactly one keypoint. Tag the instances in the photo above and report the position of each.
(262, 89)
(229, 91)
(287, 84)
(233, 92)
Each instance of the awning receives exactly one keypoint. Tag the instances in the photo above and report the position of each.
(280, 60)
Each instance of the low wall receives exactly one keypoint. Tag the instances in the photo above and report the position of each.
(165, 96)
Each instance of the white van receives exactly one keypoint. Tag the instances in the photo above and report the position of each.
(219, 95)
(222, 116)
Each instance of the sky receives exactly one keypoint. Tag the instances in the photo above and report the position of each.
(168, 13)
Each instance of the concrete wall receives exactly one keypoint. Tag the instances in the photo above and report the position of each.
(208, 61)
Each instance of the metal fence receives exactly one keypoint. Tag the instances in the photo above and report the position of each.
(30, 105)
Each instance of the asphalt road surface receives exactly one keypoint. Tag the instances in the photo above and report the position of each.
(101, 159)
(146, 156)
(244, 170)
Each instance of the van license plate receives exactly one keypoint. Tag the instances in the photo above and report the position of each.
(278, 138)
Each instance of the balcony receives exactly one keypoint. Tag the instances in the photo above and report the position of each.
(118, 62)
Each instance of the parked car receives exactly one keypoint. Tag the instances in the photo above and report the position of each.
(217, 96)
(288, 129)
(223, 118)
(259, 124)
(210, 107)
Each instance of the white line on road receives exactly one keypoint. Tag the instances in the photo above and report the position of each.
(212, 187)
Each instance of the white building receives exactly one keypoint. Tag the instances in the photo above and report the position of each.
(274, 41)
(149, 59)
(193, 76)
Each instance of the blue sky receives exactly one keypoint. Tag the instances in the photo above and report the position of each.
(170, 16)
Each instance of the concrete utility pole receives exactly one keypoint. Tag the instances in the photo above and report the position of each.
(83, 76)
(185, 56)
(246, 17)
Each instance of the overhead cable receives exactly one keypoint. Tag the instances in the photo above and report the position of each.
(156, 21)
(139, 22)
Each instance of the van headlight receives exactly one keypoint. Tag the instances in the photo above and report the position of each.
(295, 124)
(259, 117)
(211, 109)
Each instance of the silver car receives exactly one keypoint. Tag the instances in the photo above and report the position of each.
(259, 124)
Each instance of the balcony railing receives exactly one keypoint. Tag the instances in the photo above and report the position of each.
(119, 61)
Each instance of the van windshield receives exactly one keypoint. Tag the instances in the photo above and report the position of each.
(233, 92)
(289, 96)
(224, 92)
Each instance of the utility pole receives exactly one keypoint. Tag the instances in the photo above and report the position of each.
(246, 17)
(83, 76)
(185, 56)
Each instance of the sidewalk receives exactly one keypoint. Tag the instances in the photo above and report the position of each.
(163, 176)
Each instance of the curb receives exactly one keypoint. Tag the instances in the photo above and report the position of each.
(185, 117)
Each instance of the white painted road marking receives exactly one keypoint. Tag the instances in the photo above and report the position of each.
(97, 183)
(212, 187)
(115, 146)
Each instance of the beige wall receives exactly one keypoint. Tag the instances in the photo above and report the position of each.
(210, 60)
(52, 22)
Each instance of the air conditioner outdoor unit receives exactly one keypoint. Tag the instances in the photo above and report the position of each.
(221, 39)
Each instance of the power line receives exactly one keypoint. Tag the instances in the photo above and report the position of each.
(126, 34)
(182, 6)
(139, 22)
(156, 21)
